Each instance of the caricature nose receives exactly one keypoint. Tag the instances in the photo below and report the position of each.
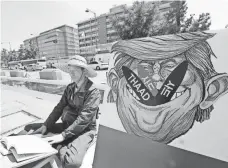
(156, 68)
(156, 78)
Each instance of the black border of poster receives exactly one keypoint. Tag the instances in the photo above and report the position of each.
(116, 149)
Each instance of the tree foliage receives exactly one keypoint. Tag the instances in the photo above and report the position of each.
(136, 21)
(30, 53)
(175, 18)
(21, 52)
(14, 56)
(201, 24)
(4, 56)
(144, 19)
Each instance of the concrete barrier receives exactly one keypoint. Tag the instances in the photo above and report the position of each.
(47, 86)
(2, 73)
(50, 74)
(17, 73)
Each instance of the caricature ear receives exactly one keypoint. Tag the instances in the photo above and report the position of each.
(216, 87)
(112, 79)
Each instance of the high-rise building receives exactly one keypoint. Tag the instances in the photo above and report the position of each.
(56, 43)
(98, 33)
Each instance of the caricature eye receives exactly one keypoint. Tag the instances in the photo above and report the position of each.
(147, 67)
(165, 73)
(170, 65)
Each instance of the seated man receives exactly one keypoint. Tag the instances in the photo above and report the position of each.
(77, 108)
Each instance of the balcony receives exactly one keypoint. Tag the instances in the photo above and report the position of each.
(90, 42)
(91, 30)
(108, 25)
(111, 31)
(87, 25)
(113, 37)
(85, 37)
(88, 36)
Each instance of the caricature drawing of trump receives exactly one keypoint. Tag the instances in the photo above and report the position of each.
(159, 56)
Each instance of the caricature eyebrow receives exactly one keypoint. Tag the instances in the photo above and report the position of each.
(169, 60)
(198, 54)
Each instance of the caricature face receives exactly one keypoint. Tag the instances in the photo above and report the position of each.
(191, 99)
(161, 121)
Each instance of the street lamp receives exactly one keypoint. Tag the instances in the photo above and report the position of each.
(87, 10)
(95, 16)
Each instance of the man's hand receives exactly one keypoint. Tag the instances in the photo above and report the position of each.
(54, 139)
(40, 130)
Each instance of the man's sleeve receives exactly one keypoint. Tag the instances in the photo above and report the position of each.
(57, 111)
(86, 116)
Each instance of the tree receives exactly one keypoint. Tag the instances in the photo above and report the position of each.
(201, 24)
(204, 22)
(175, 18)
(176, 21)
(13, 56)
(145, 19)
(4, 56)
(137, 21)
(21, 52)
(31, 52)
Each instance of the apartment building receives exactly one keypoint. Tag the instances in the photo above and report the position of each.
(96, 34)
(56, 43)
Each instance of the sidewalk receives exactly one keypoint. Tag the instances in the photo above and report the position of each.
(36, 103)
(39, 104)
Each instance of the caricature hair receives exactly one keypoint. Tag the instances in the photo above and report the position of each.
(193, 46)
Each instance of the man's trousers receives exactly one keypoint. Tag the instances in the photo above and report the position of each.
(71, 151)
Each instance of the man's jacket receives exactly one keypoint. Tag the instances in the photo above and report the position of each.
(78, 109)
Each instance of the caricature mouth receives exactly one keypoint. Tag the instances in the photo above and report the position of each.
(132, 92)
(175, 95)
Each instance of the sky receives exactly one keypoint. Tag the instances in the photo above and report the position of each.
(24, 19)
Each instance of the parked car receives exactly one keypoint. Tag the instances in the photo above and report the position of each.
(4, 67)
(21, 67)
(98, 65)
(30, 67)
(51, 65)
(40, 67)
